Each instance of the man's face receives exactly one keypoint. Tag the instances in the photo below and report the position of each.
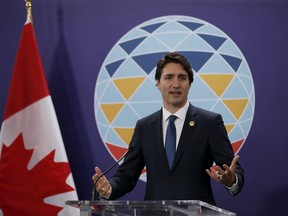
(174, 86)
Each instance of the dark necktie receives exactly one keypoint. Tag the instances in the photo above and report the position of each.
(170, 142)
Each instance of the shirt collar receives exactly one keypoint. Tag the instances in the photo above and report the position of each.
(181, 113)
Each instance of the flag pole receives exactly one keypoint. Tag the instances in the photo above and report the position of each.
(29, 9)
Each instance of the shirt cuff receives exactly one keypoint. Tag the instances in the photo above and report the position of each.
(234, 188)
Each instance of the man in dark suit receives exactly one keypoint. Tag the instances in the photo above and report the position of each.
(184, 172)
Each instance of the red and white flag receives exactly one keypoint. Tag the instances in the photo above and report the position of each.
(35, 176)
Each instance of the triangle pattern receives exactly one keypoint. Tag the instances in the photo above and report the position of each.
(113, 137)
(151, 44)
(171, 39)
(146, 92)
(236, 90)
(197, 59)
(191, 25)
(111, 95)
(212, 40)
(128, 86)
(153, 27)
(148, 61)
(218, 82)
(236, 145)
(121, 119)
(117, 152)
(232, 61)
(111, 68)
(125, 134)
(194, 42)
(217, 65)
(111, 110)
(229, 127)
(236, 106)
(129, 68)
(130, 45)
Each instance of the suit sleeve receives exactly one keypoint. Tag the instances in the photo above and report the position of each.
(127, 175)
(222, 150)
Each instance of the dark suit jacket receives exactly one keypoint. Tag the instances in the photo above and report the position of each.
(199, 146)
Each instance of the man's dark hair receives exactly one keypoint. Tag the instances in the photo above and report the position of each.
(174, 57)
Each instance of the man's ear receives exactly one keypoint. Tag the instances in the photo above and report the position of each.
(157, 85)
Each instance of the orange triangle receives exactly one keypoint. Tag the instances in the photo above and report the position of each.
(128, 86)
(217, 82)
(111, 110)
(125, 134)
(229, 127)
(236, 106)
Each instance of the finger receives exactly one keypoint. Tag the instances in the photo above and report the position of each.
(234, 161)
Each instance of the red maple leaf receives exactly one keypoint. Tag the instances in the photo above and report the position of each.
(22, 191)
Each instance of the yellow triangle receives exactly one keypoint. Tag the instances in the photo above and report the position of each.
(125, 134)
(217, 82)
(236, 106)
(229, 127)
(128, 86)
(111, 110)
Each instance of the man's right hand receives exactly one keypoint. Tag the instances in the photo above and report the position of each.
(102, 186)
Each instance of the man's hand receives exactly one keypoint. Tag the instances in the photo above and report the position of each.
(227, 176)
(102, 186)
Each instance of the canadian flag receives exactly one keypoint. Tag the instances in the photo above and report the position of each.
(35, 176)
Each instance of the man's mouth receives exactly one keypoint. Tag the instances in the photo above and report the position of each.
(175, 92)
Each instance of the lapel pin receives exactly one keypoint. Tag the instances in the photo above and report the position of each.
(191, 123)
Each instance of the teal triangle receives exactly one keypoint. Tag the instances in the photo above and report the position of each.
(112, 95)
(171, 26)
(150, 45)
(236, 134)
(144, 109)
(146, 92)
(199, 90)
(171, 39)
(127, 117)
(194, 42)
(225, 112)
(114, 138)
(216, 64)
(129, 68)
(236, 90)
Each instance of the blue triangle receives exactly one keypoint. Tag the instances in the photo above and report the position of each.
(111, 68)
(130, 45)
(212, 40)
(153, 27)
(232, 61)
(148, 61)
(197, 59)
(191, 25)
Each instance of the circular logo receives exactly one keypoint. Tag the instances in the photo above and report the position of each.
(125, 90)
